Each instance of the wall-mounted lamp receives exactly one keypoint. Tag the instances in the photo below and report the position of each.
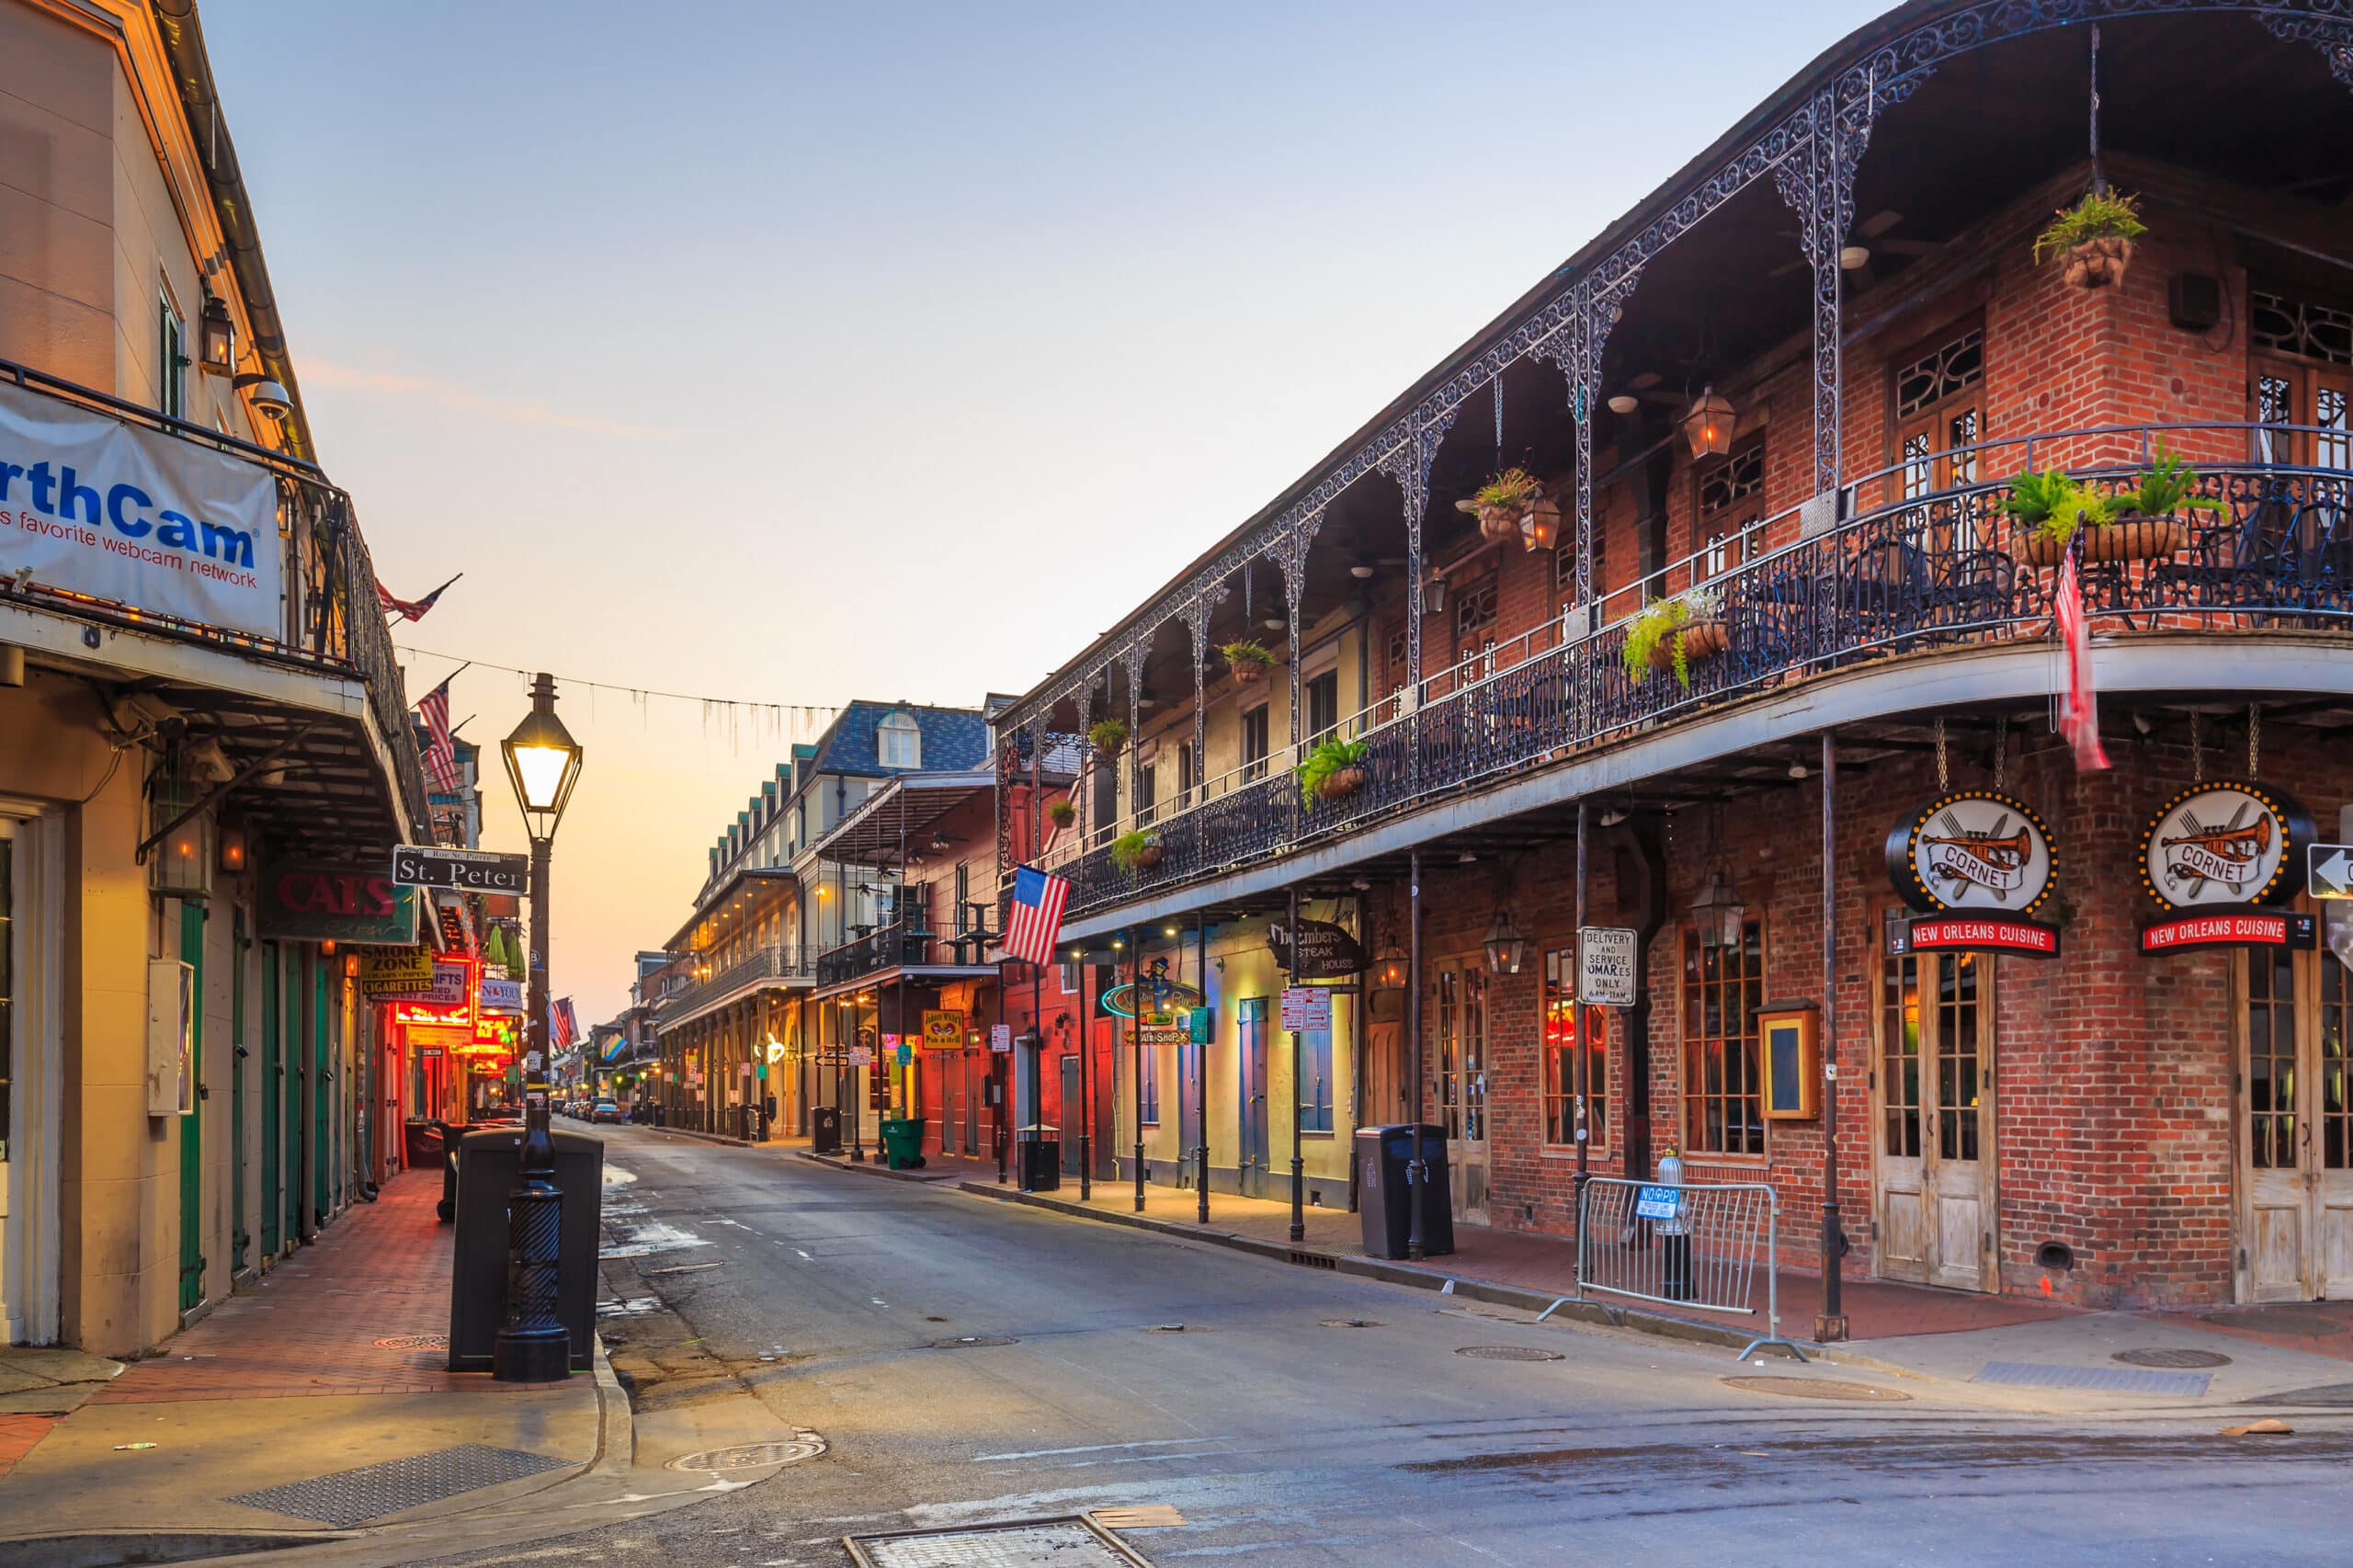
(1506, 947)
(216, 342)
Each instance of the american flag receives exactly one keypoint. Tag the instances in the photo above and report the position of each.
(407, 609)
(1037, 918)
(441, 748)
(2079, 706)
(562, 1027)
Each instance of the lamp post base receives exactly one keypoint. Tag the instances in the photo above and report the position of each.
(531, 1355)
(1830, 1329)
(533, 1346)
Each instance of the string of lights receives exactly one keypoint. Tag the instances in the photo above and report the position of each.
(790, 720)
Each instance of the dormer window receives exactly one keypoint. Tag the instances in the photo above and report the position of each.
(898, 743)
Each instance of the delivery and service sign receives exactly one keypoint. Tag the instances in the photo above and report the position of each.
(101, 507)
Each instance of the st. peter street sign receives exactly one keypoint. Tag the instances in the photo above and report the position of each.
(460, 871)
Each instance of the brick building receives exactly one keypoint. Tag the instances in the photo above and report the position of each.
(1775, 411)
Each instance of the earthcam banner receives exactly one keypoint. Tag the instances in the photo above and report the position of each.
(104, 508)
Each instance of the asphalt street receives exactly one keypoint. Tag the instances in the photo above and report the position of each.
(966, 1360)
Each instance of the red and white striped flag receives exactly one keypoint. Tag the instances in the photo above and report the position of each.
(1036, 918)
(2079, 704)
(441, 747)
(407, 609)
(563, 1025)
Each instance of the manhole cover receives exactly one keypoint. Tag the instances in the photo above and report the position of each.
(1508, 1353)
(1817, 1388)
(1031, 1543)
(414, 1342)
(2298, 1321)
(971, 1341)
(752, 1456)
(1355, 1323)
(2180, 1361)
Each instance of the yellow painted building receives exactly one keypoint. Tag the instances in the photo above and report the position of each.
(201, 729)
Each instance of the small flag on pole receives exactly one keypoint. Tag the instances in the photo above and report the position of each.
(2079, 704)
(407, 609)
(564, 1027)
(1036, 919)
(441, 747)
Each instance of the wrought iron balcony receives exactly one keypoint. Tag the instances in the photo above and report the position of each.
(906, 941)
(786, 963)
(1904, 572)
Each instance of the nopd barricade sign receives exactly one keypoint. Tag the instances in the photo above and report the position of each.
(138, 517)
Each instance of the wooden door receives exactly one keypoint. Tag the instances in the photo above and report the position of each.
(1073, 1106)
(1933, 1095)
(2296, 1127)
(1251, 1157)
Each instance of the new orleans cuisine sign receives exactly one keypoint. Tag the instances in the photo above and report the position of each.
(137, 518)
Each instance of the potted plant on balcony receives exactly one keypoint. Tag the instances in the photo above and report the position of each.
(1108, 735)
(1062, 814)
(2147, 524)
(1334, 770)
(1501, 502)
(2048, 509)
(1671, 634)
(1249, 659)
(2092, 240)
(1136, 850)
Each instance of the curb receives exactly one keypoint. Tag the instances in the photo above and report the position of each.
(872, 1168)
(1404, 1274)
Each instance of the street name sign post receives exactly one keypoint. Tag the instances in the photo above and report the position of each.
(460, 871)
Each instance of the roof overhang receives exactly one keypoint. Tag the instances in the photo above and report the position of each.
(902, 814)
(753, 879)
(921, 972)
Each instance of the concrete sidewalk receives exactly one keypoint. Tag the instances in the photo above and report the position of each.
(331, 1362)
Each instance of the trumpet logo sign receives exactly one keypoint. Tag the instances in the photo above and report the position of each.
(1971, 852)
(137, 518)
(2223, 844)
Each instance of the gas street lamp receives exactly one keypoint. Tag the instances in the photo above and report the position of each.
(543, 761)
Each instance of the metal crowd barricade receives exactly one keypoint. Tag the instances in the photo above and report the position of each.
(1696, 1246)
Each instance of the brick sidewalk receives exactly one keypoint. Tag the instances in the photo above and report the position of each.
(318, 1323)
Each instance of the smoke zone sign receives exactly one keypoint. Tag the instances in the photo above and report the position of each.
(1967, 853)
(2223, 845)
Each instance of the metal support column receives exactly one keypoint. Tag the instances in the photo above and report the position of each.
(1417, 1174)
(1830, 1328)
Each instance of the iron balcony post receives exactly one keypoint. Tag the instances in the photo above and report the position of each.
(1417, 1173)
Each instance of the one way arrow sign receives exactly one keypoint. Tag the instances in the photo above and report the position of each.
(2330, 870)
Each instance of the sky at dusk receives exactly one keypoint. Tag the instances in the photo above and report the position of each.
(797, 353)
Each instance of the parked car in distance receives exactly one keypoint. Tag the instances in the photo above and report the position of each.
(605, 1110)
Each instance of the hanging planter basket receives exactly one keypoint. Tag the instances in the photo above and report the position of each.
(1147, 857)
(1340, 783)
(1701, 640)
(2135, 538)
(1495, 522)
(1248, 672)
(2040, 551)
(2096, 263)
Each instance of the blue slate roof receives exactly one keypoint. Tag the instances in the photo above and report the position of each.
(953, 739)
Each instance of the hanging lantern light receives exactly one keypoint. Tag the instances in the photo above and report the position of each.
(1708, 424)
(1718, 911)
(216, 351)
(1506, 946)
(1389, 969)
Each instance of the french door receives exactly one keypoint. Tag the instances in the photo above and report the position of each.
(1933, 1096)
(1463, 1087)
(2296, 1128)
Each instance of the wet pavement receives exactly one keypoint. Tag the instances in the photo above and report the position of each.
(964, 1360)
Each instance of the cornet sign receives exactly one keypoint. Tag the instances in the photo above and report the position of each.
(2224, 845)
(1972, 854)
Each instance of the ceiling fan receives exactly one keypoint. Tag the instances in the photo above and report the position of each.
(1874, 235)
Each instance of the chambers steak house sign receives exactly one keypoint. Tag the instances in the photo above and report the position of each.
(136, 518)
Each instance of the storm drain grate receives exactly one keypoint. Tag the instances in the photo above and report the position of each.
(2176, 1360)
(1508, 1353)
(2105, 1379)
(350, 1497)
(414, 1342)
(1071, 1542)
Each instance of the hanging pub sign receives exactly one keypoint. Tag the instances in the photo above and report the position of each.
(1162, 997)
(2220, 845)
(1325, 951)
(2245, 927)
(1972, 853)
(340, 903)
(943, 1028)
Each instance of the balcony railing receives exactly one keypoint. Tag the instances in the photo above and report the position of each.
(1912, 571)
(784, 962)
(332, 619)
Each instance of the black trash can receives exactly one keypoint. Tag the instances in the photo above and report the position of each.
(488, 1163)
(1384, 1196)
(825, 1130)
(1039, 1158)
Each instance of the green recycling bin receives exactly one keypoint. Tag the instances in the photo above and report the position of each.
(903, 1143)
